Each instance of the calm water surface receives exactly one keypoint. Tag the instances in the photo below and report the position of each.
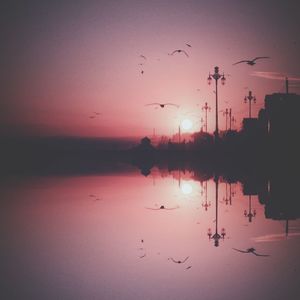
(104, 237)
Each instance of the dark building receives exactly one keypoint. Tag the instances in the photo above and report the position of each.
(282, 113)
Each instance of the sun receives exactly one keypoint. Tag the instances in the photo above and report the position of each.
(187, 124)
(186, 188)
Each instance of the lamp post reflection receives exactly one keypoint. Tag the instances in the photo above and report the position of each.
(206, 204)
(216, 236)
(250, 214)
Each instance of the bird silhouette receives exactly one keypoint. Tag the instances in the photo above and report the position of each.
(188, 267)
(143, 56)
(162, 105)
(250, 250)
(178, 261)
(142, 256)
(251, 62)
(189, 45)
(92, 117)
(142, 72)
(179, 51)
(163, 207)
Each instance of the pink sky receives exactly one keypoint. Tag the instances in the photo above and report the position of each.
(65, 62)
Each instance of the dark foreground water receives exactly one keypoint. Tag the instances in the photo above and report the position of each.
(105, 237)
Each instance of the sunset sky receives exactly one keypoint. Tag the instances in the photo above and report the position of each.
(61, 61)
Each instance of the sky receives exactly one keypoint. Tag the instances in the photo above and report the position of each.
(62, 61)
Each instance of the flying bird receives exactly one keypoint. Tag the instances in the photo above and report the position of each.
(178, 261)
(143, 56)
(179, 51)
(250, 250)
(142, 72)
(189, 45)
(92, 117)
(251, 62)
(162, 105)
(162, 207)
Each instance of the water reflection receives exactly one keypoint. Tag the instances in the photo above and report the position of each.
(60, 242)
(216, 236)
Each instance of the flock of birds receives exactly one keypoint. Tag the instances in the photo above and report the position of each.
(95, 115)
(250, 62)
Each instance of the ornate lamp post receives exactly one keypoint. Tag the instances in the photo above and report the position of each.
(226, 113)
(250, 214)
(206, 108)
(250, 98)
(206, 204)
(216, 76)
(216, 236)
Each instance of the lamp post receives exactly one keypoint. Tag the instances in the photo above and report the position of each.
(232, 120)
(226, 113)
(206, 204)
(216, 76)
(250, 214)
(250, 98)
(206, 108)
(216, 236)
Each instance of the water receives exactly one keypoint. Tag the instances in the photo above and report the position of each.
(60, 242)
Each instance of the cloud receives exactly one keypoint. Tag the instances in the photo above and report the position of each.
(275, 237)
(275, 76)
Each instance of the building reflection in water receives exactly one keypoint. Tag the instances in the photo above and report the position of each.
(216, 236)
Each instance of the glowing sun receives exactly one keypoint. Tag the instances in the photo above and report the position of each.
(186, 124)
(186, 188)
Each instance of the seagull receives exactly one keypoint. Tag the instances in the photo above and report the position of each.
(162, 105)
(251, 62)
(163, 207)
(179, 51)
(250, 250)
(178, 261)
(143, 56)
(189, 45)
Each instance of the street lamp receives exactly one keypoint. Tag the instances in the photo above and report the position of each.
(206, 108)
(226, 113)
(250, 214)
(206, 204)
(250, 98)
(216, 236)
(216, 76)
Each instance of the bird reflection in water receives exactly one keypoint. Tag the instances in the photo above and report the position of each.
(178, 261)
(163, 207)
(250, 250)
